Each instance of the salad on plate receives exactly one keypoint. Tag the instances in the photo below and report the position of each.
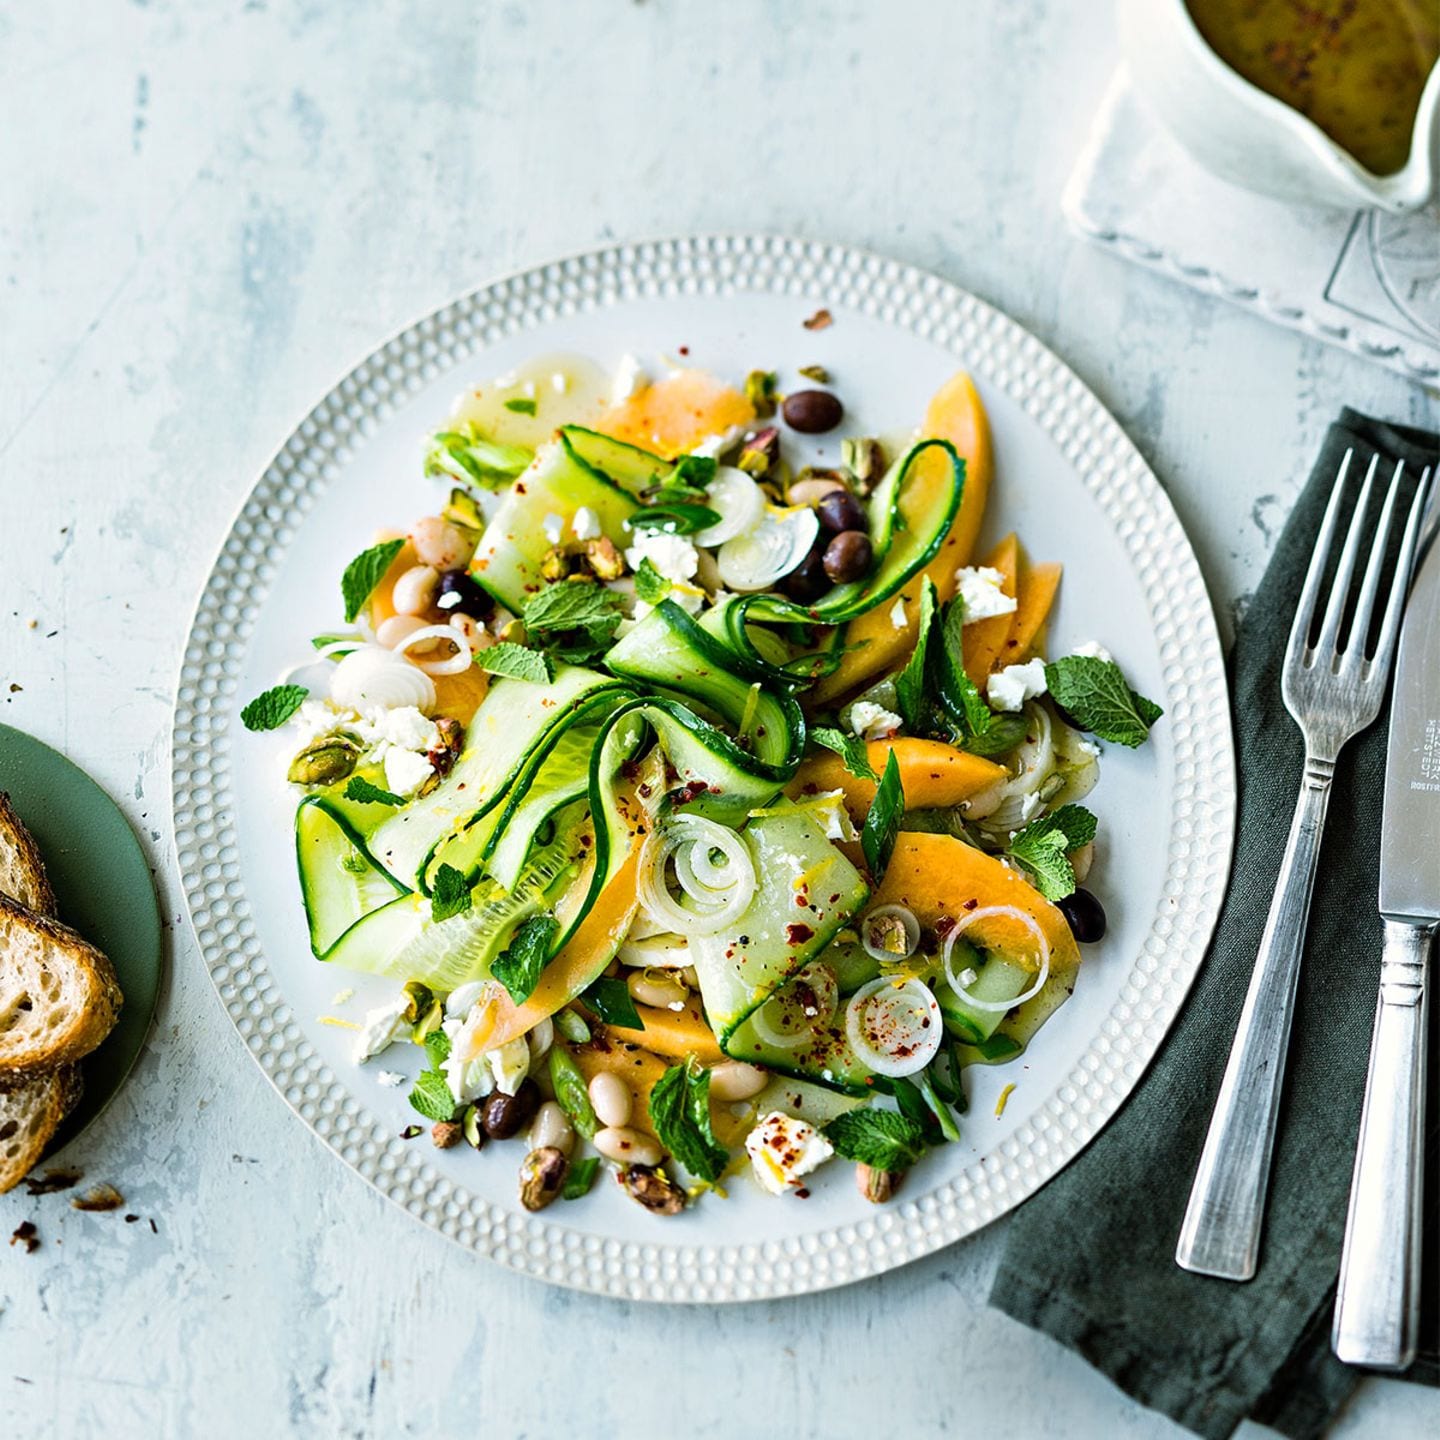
(706, 812)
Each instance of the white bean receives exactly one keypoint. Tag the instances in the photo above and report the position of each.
(660, 988)
(1081, 860)
(541, 1038)
(439, 543)
(627, 1147)
(552, 1126)
(610, 1096)
(734, 1080)
(391, 632)
(416, 589)
(477, 637)
(812, 490)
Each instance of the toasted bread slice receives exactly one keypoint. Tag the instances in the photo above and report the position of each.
(58, 994)
(30, 1113)
(22, 872)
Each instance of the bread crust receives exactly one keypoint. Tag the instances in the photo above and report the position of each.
(22, 870)
(93, 1010)
(30, 1113)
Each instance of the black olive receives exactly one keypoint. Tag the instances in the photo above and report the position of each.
(848, 556)
(1085, 916)
(839, 511)
(460, 595)
(808, 580)
(507, 1115)
(812, 411)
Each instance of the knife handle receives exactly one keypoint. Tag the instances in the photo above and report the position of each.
(1377, 1308)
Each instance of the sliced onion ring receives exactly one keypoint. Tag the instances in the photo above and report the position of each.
(737, 500)
(909, 1013)
(717, 904)
(371, 675)
(769, 550)
(455, 664)
(989, 912)
(912, 933)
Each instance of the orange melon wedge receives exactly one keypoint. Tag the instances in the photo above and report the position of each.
(984, 640)
(955, 414)
(932, 774)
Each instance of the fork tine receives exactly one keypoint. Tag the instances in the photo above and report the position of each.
(1327, 642)
(1310, 591)
(1400, 586)
(1358, 639)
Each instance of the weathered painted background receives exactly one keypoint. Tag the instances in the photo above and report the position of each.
(207, 210)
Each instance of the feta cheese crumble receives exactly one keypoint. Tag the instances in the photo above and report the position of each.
(712, 447)
(1093, 650)
(1010, 688)
(783, 1150)
(391, 1079)
(586, 524)
(672, 555)
(382, 1027)
(898, 618)
(981, 593)
(873, 722)
(630, 379)
(405, 771)
(554, 528)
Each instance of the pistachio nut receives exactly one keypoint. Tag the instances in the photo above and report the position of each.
(760, 452)
(877, 1186)
(864, 458)
(324, 760)
(605, 560)
(444, 1134)
(650, 1186)
(418, 1000)
(542, 1173)
(760, 392)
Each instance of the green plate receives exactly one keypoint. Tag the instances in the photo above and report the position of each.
(103, 884)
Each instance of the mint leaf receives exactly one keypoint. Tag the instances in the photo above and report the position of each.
(518, 966)
(518, 662)
(650, 585)
(581, 1178)
(437, 1048)
(850, 748)
(1093, 693)
(272, 709)
(882, 824)
(572, 620)
(467, 456)
(679, 517)
(692, 473)
(880, 1139)
(1042, 849)
(361, 790)
(431, 1096)
(571, 1092)
(450, 895)
(610, 1000)
(1004, 732)
(521, 406)
(364, 573)
(680, 1113)
(321, 641)
(910, 684)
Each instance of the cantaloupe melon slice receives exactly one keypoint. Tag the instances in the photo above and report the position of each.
(985, 639)
(955, 414)
(932, 774)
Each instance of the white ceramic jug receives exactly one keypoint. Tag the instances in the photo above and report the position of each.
(1244, 135)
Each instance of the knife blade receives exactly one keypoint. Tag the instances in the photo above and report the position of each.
(1410, 832)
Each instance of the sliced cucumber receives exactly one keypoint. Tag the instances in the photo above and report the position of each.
(402, 941)
(514, 717)
(803, 1100)
(807, 890)
(996, 978)
(826, 1057)
(677, 655)
(511, 551)
(627, 466)
(339, 881)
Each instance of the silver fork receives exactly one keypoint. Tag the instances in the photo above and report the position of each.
(1332, 693)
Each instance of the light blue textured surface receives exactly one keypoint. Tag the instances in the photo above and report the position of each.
(206, 212)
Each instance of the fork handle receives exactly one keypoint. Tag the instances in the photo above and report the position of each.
(1221, 1232)
(1377, 1309)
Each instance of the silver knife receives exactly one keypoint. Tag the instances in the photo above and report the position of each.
(1377, 1308)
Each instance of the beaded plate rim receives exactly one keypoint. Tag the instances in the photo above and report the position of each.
(999, 352)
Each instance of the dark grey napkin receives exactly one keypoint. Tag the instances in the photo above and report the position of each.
(1090, 1259)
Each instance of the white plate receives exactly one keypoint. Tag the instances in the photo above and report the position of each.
(1066, 478)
